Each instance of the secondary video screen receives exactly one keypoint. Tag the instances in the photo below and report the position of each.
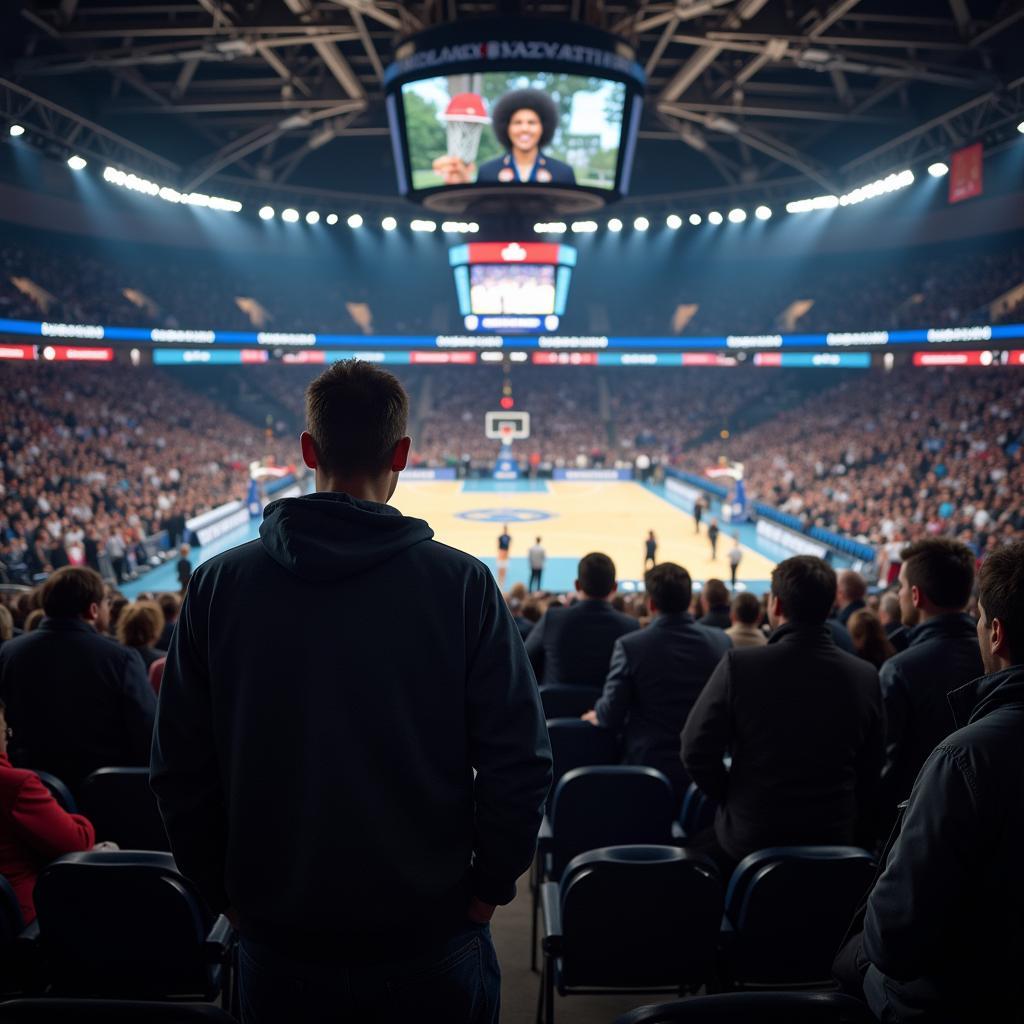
(509, 128)
(526, 290)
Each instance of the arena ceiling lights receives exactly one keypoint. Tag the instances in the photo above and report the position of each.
(134, 183)
(883, 186)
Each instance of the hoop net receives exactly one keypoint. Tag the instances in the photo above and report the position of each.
(506, 435)
(463, 137)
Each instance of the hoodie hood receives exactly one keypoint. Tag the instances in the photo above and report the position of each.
(329, 536)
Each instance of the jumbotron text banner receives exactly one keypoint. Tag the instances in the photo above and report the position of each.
(868, 339)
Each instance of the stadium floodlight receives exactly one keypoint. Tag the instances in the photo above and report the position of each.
(290, 216)
(266, 213)
(881, 187)
(817, 203)
(714, 217)
(332, 219)
(1020, 127)
(737, 216)
(472, 227)
(695, 219)
(584, 227)
(763, 213)
(554, 227)
(641, 224)
(389, 223)
(312, 217)
(615, 224)
(355, 220)
(16, 130)
(938, 169)
(423, 225)
(77, 163)
(673, 222)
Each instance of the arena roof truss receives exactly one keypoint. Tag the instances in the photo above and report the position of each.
(764, 96)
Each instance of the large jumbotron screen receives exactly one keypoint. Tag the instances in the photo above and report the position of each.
(526, 290)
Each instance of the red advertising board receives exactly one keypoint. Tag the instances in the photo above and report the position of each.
(513, 252)
(255, 355)
(565, 358)
(461, 358)
(17, 351)
(983, 358)
(965, 173)
(304, 357)
(70, 353)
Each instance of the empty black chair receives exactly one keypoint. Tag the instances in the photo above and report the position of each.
(114, 1011)
(598, 806)
(59, 791)
(786, 911)
(630, 918)
(116, 924)
(578, 744)
(698, 811)
(756, 1008)
(123, 809)
(561, 701)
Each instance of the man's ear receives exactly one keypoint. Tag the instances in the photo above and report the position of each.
(997, 639)
(309, 456)
(400, 456)
(915, 596)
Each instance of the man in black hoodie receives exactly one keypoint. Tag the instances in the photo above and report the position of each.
(350, 753)
(943, 934)
(936, 577)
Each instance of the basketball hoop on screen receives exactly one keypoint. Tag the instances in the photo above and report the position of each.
(464, 119)
(506, 434)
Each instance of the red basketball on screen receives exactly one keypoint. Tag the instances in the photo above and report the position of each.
(508, 403)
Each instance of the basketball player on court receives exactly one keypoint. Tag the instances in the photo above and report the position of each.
(698, 511)
(504, 543)
(713, 537)
(650, 550)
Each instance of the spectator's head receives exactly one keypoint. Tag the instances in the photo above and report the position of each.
(869, 639)
(536, 540)
(184, 551)
(6, 623)
(1001, 607)
(595, 576)
(889, 610)
(936, 577)
(745, 610)
(170, 605)
(669, 589)
(356, 416)
(715, 594)
(518, 591)
(140, 624)
(118, 603)
(850, 587)
(33, 619)
(803, 591)
(75, 592)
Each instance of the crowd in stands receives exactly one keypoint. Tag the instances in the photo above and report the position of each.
(889, 458)
(324, 290)
(95, 459)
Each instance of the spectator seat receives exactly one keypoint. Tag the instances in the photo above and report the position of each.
(123, 809)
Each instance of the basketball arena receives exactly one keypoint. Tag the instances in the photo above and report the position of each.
(511, 511)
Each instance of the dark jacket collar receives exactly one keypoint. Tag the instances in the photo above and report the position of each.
(65, 624)
(801, 632)
(672, 620)
(951, 624)
(981, 696)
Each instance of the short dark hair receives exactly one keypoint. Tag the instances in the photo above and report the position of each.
(170, 605)
(715, 592)
(70, 591)
(669, 586)
(524, 99)
(747, 608)
(1001, 594)
(356, 413)
(596, 573)
(806, 588)
(942, 569)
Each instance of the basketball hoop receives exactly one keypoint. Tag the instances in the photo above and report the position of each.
(506, 431)
(464, 118)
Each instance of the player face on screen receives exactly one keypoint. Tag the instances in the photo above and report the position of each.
(524, 132)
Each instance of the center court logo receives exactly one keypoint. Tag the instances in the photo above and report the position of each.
(504, 515)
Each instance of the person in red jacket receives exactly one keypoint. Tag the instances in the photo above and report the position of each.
(34, 828)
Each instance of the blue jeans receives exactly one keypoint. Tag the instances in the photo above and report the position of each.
(459, 982)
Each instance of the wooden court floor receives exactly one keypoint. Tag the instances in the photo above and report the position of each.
(572, 518)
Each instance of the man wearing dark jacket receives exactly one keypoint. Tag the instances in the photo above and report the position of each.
(936, 576)
(714, 602)
(76, 700)
(850, 591)
(803, 721)
(656, 675)
(350, 753)
(573, 646)
(943, 934)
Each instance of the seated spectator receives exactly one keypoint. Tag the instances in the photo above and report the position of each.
(942, 932)
(170, 605)
(714, 602)
(803, 722)
(140, 627)
(936, 576)
(892, 620)
(77, 700)
(869, 639)
(745, 615)
(850, 592)
(34, 828)
(574, 645)
(156, 674)
(33, 619)
(656, 675)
